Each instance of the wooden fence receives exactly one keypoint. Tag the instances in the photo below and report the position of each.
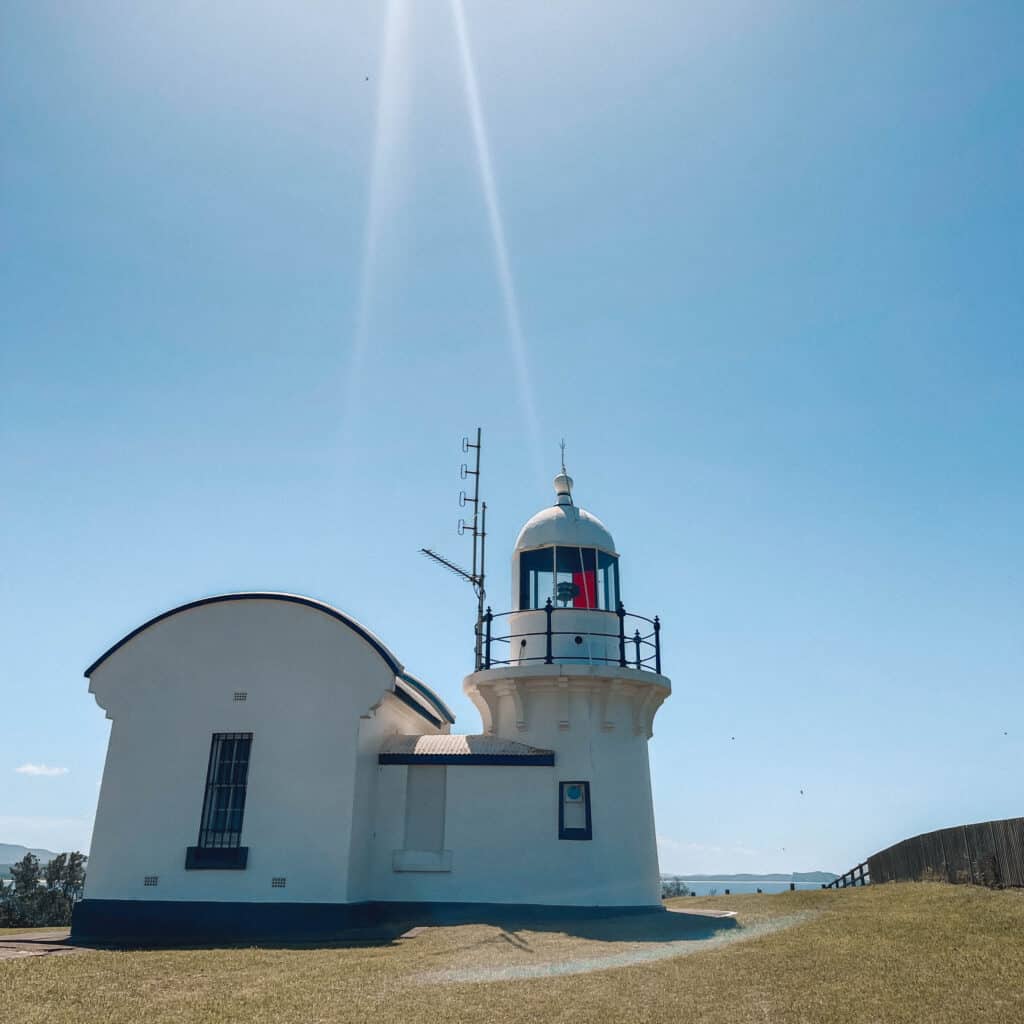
(860, 875)
(989, 853)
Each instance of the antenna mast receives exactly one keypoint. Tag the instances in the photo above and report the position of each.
(477, 528)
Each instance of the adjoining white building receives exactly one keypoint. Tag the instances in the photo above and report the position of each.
(273, 772)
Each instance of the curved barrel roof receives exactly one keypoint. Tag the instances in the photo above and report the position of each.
(407, 681)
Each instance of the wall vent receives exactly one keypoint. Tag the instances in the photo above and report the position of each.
(241, 695)
(278, 883)
(151, 880)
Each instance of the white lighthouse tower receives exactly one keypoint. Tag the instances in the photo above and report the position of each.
(275, 772)
(568, 669)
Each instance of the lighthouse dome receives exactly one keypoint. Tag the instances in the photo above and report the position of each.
(564, 524)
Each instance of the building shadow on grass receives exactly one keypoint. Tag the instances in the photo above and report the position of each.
(389, 924)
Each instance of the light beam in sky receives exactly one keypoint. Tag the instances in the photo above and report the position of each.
(513, 322)
(392, 94)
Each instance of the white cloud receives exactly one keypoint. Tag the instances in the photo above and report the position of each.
(39, 769)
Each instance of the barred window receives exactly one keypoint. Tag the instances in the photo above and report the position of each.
(224, 801)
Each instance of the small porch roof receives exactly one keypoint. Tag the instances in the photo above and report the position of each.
(461, 750)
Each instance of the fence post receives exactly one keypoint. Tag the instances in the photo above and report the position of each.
(636, 640)
(487, 648)
(547, 655)
(970, 857)
(996, 873)
(657, 645)
(621, 612)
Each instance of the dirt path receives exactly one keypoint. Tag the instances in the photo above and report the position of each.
(15, 945)
(635, 953)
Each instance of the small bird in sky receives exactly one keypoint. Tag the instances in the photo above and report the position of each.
(732, 737)
(801, 792)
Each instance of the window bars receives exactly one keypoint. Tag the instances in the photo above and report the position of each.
(224, 800)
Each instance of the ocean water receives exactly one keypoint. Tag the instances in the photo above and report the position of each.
(704, 887)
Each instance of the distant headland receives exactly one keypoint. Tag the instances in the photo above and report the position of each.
(804, 877)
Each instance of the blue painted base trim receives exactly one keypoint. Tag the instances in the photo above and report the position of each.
(186, 923)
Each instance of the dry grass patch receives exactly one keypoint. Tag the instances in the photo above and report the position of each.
(898, 953)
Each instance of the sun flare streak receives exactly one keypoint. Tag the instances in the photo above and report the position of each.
(488, 183)
(392, 95)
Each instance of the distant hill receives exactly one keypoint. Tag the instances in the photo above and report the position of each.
(11, 853)
(805, 877)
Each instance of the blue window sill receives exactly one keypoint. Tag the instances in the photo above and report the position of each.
(216, 858)
(575, 833)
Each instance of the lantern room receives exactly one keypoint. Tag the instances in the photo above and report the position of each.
(566, 601)
(565, 555)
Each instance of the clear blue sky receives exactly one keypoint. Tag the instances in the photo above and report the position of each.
(767, 259)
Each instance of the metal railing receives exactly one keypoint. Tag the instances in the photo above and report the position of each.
(859, 875)
(641, 650)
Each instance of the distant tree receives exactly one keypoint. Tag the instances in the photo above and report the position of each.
(42, 896)
(672, 887)
(65, 879)
(65, 874)
(21, 898)
(6, 888)
(27, 875)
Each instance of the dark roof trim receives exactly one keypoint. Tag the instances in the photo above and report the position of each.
(327, 609)
(424, 691)
(416, 706)
(505, 760)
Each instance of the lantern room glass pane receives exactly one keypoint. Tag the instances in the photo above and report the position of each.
(536, 578)
(608, 581)
(575, 577)
(571, 577)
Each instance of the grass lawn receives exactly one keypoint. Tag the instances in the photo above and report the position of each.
(912, 952)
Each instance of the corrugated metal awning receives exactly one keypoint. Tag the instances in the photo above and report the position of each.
(465, 750)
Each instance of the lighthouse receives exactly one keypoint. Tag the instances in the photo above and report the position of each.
(275, 772)
(568, 669)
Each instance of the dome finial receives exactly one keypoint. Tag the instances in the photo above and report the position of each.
(563, 482)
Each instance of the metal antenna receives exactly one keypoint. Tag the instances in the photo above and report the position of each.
(562, 446)
(478, 529)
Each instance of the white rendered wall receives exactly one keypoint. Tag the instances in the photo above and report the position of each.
(308, 678)
(501, 828)
(501, 822)
(390, 717)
